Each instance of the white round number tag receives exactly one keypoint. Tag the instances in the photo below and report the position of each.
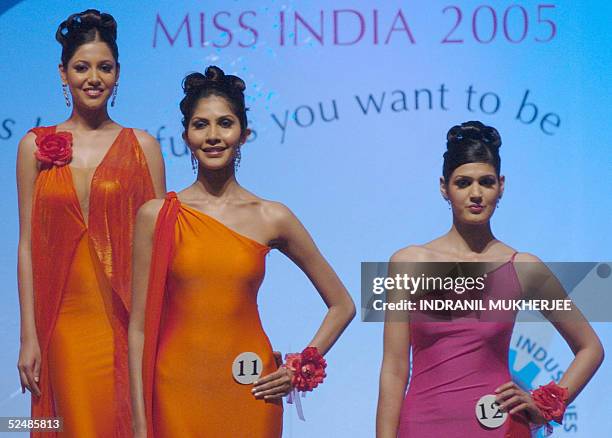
(247, 368)
(488, 413)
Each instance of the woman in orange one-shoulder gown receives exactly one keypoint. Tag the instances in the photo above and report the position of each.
(210, 316)
(201, 364)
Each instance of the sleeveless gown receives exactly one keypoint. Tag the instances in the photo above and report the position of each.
(455, 363)
(82, 274)
(207, 316)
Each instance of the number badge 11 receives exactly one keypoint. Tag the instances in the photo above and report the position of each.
(247, 368)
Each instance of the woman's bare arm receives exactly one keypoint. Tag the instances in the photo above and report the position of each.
(29, 353)
(395, 368)
(295, 242)
(142, 251)
(539, 282)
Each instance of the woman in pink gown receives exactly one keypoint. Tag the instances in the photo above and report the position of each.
(457, 361)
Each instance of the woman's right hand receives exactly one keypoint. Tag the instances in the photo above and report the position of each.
(29, 366)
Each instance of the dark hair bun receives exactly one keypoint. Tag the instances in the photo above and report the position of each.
(213, 77)
(471, 142)
(473, 132)
(214, 73)
(193, 82)
(214, 82)
(84, 22)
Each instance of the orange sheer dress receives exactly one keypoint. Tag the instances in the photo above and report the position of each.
(82, 273)
(201, 316)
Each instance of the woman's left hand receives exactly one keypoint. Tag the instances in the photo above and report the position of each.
(274, 385)
(513, 399)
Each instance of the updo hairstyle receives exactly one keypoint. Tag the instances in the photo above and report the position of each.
(86, 27)
(214, 82)
(471, 142)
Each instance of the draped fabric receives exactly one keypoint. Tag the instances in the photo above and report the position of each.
(163, 243)
(80, 351)
(120, 185)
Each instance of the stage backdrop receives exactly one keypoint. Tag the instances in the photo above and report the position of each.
(349, 104)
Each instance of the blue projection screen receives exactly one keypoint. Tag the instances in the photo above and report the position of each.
(349, 102)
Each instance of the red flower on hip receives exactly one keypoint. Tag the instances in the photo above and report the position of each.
(308, 367)
(54, 148)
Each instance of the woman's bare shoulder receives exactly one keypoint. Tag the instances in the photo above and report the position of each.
(526, 257)
(415, 253)
(267, 210)
(148, 212)
(148, 143)
(28, 140)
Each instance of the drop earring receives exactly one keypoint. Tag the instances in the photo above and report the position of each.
(66, 97)
(237, 158)
(114, 94)
(194, 163)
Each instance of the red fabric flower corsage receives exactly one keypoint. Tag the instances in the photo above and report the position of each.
(54, 148)
(551, 400)
(308, 368)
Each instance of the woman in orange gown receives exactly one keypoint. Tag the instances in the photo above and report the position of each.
(80, 185)
(200, 362)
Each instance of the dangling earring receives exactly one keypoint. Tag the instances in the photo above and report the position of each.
(449, 203)
(66, 97)
(497, 203)
(237, 158)
(114, 94)
(194, 163)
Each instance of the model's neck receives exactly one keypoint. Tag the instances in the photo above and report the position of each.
(84, 119)
(217, 183)
(468, 238)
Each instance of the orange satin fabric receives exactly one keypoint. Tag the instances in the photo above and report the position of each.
(120, 184)
(82, 371)
(209, 316)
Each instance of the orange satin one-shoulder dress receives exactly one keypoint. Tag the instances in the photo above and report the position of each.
(82, 274)
(206, 315)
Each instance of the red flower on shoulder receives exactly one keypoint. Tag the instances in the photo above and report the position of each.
(54, 148)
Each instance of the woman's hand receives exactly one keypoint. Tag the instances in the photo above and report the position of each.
(274, 385)
(513, 399)
(29, 366)
(278, 358)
